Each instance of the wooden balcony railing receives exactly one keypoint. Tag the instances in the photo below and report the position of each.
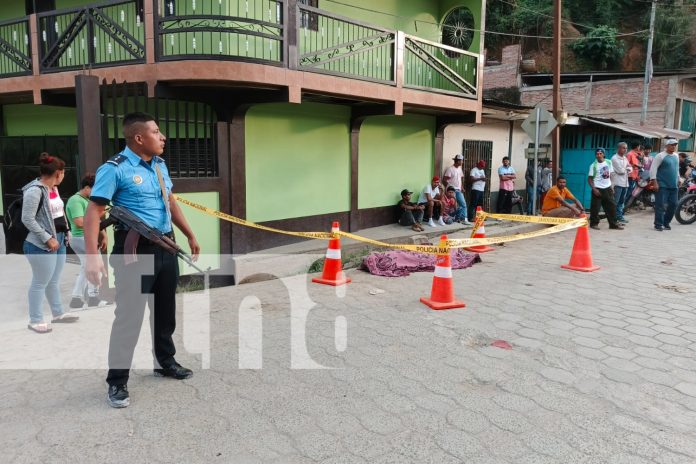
(341, 46)
(107, 34)
(113, 33)
(252, 30)
(15, 48)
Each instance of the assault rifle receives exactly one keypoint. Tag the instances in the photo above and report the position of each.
(138, 228)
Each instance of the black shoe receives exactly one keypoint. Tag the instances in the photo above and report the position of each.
(594, 226)
(617, 227)
(76, 303)
(95, 302)
(174, 371)
(667, 227)
(118, 396)
(659, 228)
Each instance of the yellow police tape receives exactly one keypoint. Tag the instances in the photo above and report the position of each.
(558, 225)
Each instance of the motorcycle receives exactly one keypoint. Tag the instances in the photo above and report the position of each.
(642, 192)
(686, 207)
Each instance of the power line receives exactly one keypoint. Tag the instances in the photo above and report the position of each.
(508, 34)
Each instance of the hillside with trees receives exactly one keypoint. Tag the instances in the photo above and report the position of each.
(598, 35)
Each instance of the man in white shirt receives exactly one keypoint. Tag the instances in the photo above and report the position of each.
(477, 177)
(430, 198)
(621, 168)
(599, 179)
(453, 177)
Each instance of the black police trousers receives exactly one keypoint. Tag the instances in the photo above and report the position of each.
(137, 284)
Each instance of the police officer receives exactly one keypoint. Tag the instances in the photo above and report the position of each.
(137, 179)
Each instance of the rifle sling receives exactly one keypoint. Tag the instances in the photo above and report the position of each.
(130, 246)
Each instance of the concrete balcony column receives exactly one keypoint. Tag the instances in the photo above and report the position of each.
(150, 24)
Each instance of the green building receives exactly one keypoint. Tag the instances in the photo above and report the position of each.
(290, 113)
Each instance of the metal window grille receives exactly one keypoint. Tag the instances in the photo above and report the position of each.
(475, 150)
(191, 146)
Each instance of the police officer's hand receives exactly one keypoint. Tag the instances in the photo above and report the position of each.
(194, 247)
(94, 269)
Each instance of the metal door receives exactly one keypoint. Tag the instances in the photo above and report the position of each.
(475, 150)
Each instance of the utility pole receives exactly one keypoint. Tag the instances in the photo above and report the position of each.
(556, 134)
(648, 65)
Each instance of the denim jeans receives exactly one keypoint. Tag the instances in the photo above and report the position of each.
(620, 197)
(530, 201)
(665, 205)
(461, 201)
(81, 283)
(46, 268)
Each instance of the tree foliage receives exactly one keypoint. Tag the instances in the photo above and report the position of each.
(600, 48)
(603, 25)
(673, 33)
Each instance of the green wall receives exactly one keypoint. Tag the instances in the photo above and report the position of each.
(415, 17)
(12, 9)
(297, 160)
(28, 119)
(396, 152)
(206, 228)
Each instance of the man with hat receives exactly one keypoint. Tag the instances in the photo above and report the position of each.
(664, 177)
(453, 178)
(411, 214)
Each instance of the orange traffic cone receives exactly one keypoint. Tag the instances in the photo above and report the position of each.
(333, 268)
(480, 232)
(442, 293)
(581, 257)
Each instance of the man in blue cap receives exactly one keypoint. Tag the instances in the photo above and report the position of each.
(664, 177)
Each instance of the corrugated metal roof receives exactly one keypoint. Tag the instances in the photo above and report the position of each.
(643, 131)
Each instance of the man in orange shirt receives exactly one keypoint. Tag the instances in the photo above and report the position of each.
(555, 204)
(634, 159)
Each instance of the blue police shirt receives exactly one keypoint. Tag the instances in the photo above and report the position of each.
(128, 181)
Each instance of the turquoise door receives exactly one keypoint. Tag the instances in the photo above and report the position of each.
(578, 145)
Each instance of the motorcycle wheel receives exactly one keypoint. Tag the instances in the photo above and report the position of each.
(686, 210)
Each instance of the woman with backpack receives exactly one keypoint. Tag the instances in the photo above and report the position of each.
(44, 217)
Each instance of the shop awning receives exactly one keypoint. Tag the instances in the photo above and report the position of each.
(647, 132)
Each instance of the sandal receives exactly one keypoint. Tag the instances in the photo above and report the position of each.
(39, 327)
(65, 318)
(415, 227)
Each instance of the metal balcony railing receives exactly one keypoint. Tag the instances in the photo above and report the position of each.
(433, 66)
(251, 30)
(341, 46)
(15, 48)
(113, 33)
(107, 34)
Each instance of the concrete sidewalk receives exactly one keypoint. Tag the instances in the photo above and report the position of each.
(602, 368)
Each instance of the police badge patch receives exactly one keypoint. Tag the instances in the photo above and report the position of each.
(137, 180)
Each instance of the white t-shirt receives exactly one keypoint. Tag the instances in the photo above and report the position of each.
(56, 204)
(479, 185)
(455, 177)
(428, 189)
(601, 173)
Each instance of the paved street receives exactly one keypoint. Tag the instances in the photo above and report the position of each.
(602, 368)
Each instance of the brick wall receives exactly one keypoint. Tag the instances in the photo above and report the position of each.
(506, 74)
(618, 99)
